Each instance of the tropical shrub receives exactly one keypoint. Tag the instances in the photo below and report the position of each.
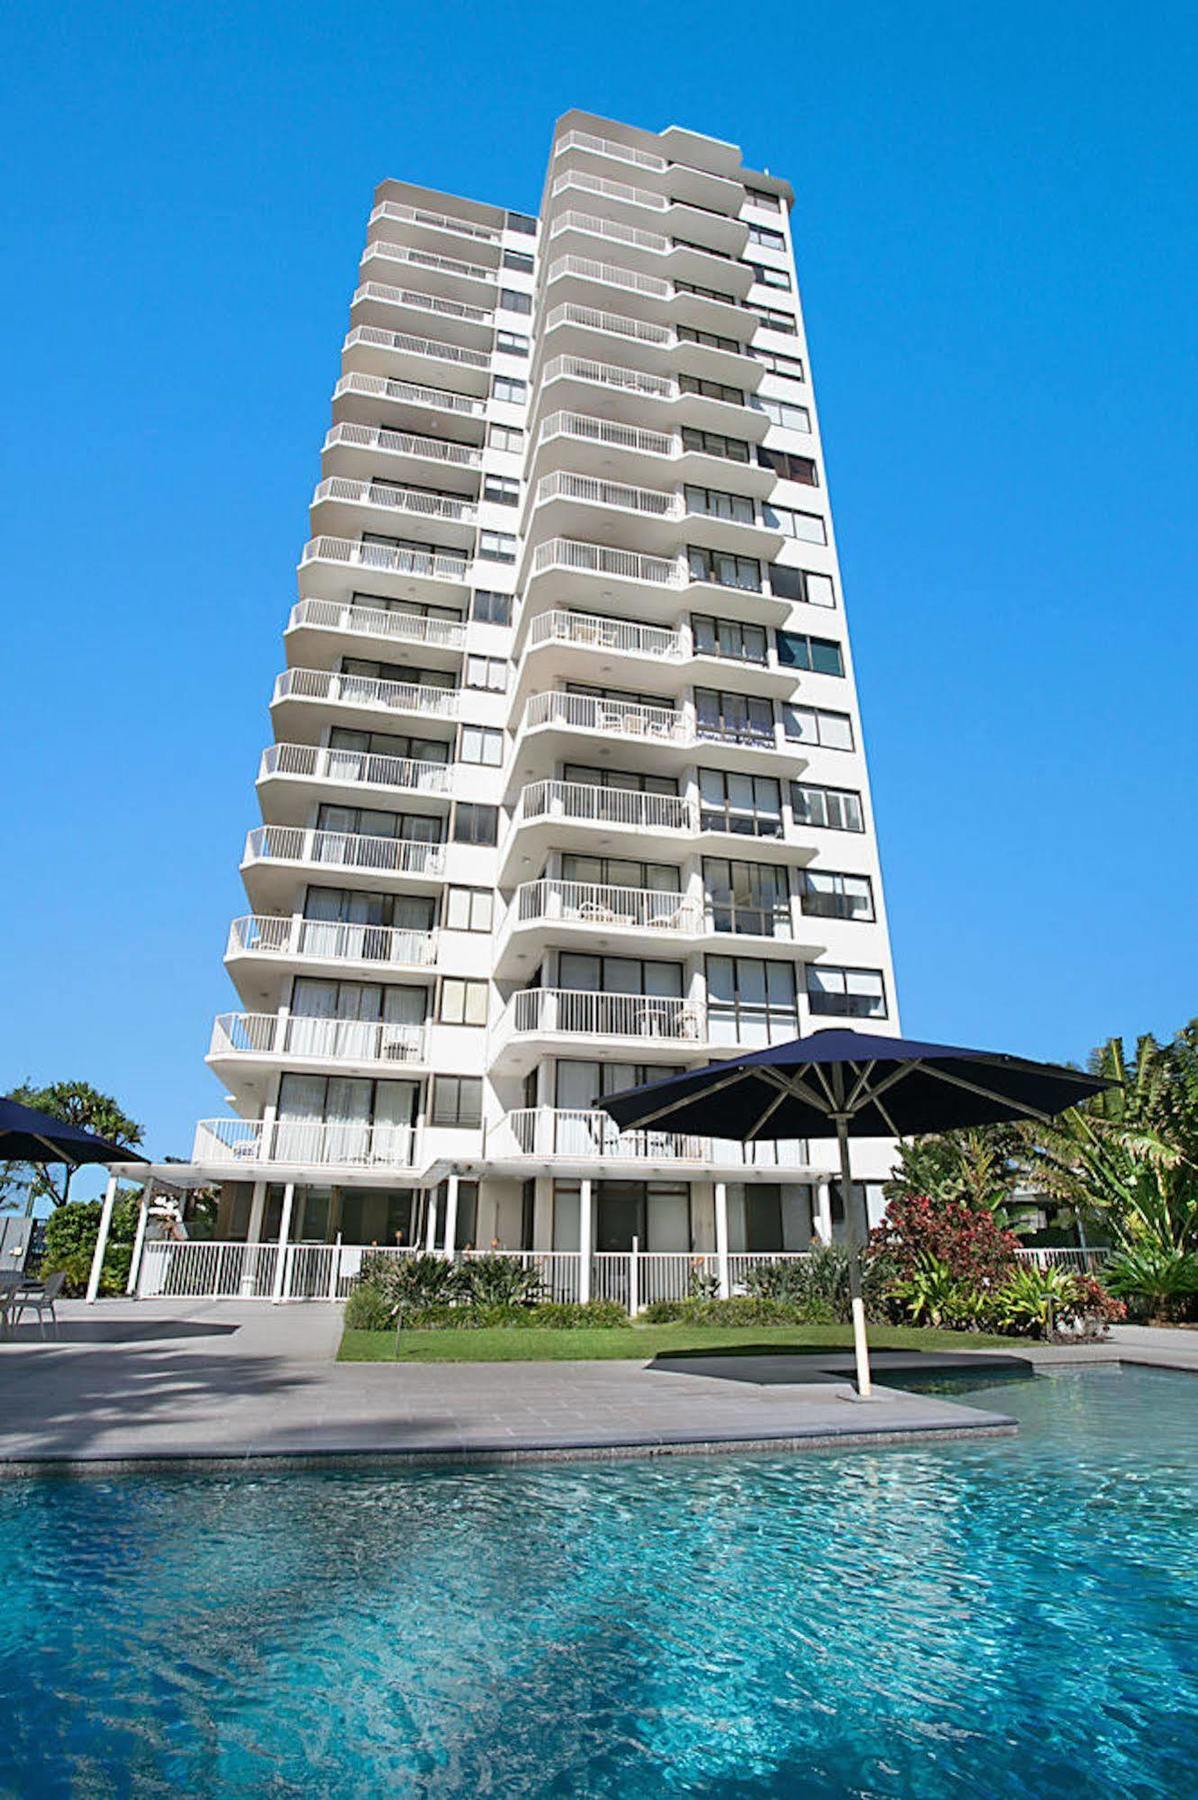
(1030, 1301)
(741, 1309)
(368, 1309)
(409, 1282)
(931, 1294)
(71, 1232)
(1158, 1280)
(971, 1244)
(502, 1281)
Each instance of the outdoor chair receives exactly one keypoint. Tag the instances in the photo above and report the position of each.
(41, 1298)
(10, 1283)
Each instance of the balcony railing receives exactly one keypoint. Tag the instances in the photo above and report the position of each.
(621, 637)
(314, 762)
(433, 348)
(554, 1131)
(382, 387)
(609, 718)
(585, 140)
(574, 1012)
(589, 318)
(384, 559)
(608, 433)
(427, 259)
(612, 908)
(396, 499)
(588, 803)
(300, 1141)
(609, 375)
(657, 503)
(344, 850)
(321, 1040)
(585, 268)
(577, 180)
(370, 621)
(419, 215)
(330, 940)
(615, 231)
(401, 443)
(363, 690)
(602, 559)
(387, 295)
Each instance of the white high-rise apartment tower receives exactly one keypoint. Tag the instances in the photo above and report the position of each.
(566, 787)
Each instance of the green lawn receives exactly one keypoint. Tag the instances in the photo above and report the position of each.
(640, 1342)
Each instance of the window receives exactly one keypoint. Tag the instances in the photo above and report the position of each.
(518, 259)
(711, 390)
(475, 824)
(718, 505)
(723, 568)
(771, 278)
(499, 546)
(809, 528)
(728, 637)
(812, 725)
(581, 973)
(775, 320)
(750, 805)
(361, 747)
(846, 993)
(686, 334)
(680, 243)
(490, 608)
(463, 1002)
(512, 300)
(751, 1000)
(506, 437)
(837, 809)
(458, 1100)
(827, 894)
(512, 343)
(747, 897)
(733, 718)
(705, 293)
(469, 909)
(481, 744)
(577, 1084)
(335, 825)
(521, 222)
(767, 202)
(504, 490)
(767, 237)
(627, 779)
(801, 584)
(821, 656)
(620, 872)
(413, 609)
(715, 443)
(489, 672)
(786, 368)
(509, 387)
(795, 418)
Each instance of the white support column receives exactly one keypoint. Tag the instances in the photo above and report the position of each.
(721, 1238)
(823, 1211)
(451, 1216)
(430, 1242)
(253, 1230)
(634, 1281)
(139, 1238)
(284, 1230)
(93, 1280)
(586, 1238)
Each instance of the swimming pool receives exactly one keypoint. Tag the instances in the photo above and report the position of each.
(1012, 1617)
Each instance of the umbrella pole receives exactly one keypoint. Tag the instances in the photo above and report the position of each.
(856, 1246)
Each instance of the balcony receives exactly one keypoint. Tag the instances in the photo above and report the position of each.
(586, 141)
(359, 398)
(422, 219)
(660, 1026)
(302, 1143)
(380, 303)
(579, 570)
(289, 942)
(318, 628)
(593, 444)
(354, 450)
(608, 719)
(341, 505)
(587, 914)
(577, 815)
(727, 234)
(681, 181)
(655, 347)
(302, 696)
(445, 275)
(277, 858)
(297, 775)
(371, 350)
(242, 1041)
(579, 638)
(559, 1134)
(330, 565)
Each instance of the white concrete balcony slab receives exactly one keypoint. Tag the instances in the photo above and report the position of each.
(631, 202)
(589, 1140)
(241, 1040)
(305, 700)
(285, 944)
(318, 630)
(630, 517)
(591, 914)
(292, 778)
(589, 445)
(704, 186)
(398, 308)
(591, 280)
(592, 331)
(580, 645)
(360, 451)
(422, 223)
(342, 505)
(449, 276)
(404, 356)
(579, 145)
(279, 860)
(360, 399)
(332, 568)
(580, 571)
(557, 711)
(259, 1146)
(630, 396)
(687, 254)
(536, 1020)
(576, 815)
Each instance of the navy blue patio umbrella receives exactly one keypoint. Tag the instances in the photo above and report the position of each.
(852, 1084)
(36, 1137)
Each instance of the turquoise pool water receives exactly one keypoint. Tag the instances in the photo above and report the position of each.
(1018, 1617)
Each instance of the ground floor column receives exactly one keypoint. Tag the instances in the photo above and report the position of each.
(284, 1229)
(139, 1239)
(586, 1238)
(451, 1215)
(823, 1211)
(430, 1242)
(721, 1239)
(93, 1280)
(253, 1231)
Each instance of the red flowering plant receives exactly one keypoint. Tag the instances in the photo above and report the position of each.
(969, 1243)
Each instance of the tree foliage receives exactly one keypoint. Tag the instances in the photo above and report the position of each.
(76, 1103)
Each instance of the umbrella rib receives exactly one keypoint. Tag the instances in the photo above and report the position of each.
(972, 1087)
(862, 1082)
(794, 1085)
(663, 1112)
(770, 1110)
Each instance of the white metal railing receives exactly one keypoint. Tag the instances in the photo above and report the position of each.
(579, 181)
(344, 850)
(419, 215)
(602, 559)
(330, 940)
(317, 762)
(401, 443)
(373, 621)
(559, 1131)
(610, 274)
(350, 1144)
(586, 140)
(396, 499)
(609, 718)
(596, 903)
(591, 804)
(427, 259)
(383, 387)
(590, 318)
(611, 375)
(563, 484)
(433, 348)
(608, 433)
(577, 1012)
(324, 1040)
(1065, 1256)
(385, 559)
(593, 631)
(218, 1271)
(386, 295)
(366, 690)
(614, 230)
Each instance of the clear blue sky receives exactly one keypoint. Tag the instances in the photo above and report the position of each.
(996, 244)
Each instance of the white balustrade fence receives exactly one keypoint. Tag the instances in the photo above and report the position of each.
(610, 274)
(427, 259)
(344, 850)
(612, 375)
(609, 718)
(323, 763)
(600, 146)
(337, 1040)
(570, 1010)
(385, 387)
(401, 443)
(609, 434)
(589, 803)
(655, 502)
(419, 215)
(396, 499)
(614, 230)
(348, 1144)
(602, 559)
(621, 637)
(374, 621)
(330, 940)
(591, 318)
(363, 690)
(436, 349)
(384, 294)
(594, 903)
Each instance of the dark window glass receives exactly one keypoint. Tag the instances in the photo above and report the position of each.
(474, 823)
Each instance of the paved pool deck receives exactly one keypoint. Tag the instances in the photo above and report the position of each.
(240, 1385)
